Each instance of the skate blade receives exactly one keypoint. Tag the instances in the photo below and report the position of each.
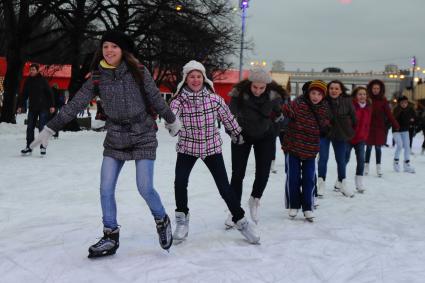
(228, 227)
(311, 220)
(98, 255)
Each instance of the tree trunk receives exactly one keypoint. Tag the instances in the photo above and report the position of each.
(12, 78)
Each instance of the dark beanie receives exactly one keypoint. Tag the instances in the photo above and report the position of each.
(120, 39)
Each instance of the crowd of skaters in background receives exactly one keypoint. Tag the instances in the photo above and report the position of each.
(260, 111)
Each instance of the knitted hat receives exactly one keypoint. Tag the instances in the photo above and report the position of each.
(318, 85)
(401, 98)
(259, 75)
(189, 67)
(120, 39)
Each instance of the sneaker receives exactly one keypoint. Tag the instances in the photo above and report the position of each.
(293, 212)
(26, 151)
(253, 204)
(359, 184)
(107, 245)
(248, 231)
(366, 169)
(408, 168)
(396, 165)
(163, 227)
(321, 187)
(229, 224)
(182, 226)
(308, 214)
(378, 170)
(346, 190)
(42, 150)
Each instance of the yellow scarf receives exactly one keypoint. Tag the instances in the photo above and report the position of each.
(105, 65)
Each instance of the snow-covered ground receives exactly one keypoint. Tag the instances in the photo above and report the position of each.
(50, 214)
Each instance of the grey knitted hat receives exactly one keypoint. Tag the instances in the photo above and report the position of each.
(259, 75)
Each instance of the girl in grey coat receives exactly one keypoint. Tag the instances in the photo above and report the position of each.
(126, 89)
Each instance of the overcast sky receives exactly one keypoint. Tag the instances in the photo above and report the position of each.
(362, 35)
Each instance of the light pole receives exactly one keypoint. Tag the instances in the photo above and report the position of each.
(413, 76)
(243, 4)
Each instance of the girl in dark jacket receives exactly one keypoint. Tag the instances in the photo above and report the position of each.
(343, 121)
(125, 88)
(363, 116)
(377, 131)
(405, 115)
(254, 104)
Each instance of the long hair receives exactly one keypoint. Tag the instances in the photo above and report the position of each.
(132, 63)
(356, 90)
(376, 82)
(341, 85)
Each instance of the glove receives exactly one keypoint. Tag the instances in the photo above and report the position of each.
(42, 138)
(237, 139)
(173, 128)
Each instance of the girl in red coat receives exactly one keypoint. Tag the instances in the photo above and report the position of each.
(363, 116)
(380, 111)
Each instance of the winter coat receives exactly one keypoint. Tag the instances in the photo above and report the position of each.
(380, 111)
(198, 113)
(343, 118)
(363, 117)
(256, 114)
(131, 132)
(39, 93)
(404, 117)
(302, 138)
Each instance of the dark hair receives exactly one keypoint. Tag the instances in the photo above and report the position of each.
(35, 65)
(244, 86)
(376, 82)
(132, 63)
(357, 89)
(341, 85)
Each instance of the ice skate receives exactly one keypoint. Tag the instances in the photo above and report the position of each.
(366, 169)
(248, 231)
(253, 204)
(396, 165)
(26, 151)
(346, 190)
(107, 245)
(308, 215)
(378, 170)
(293, 213)
(359, 184)
(229, 224)
(321, 187)
(273, 168)
(42, 150)
(163, 227)
(182, 227)
(408, 168)
(337, 186)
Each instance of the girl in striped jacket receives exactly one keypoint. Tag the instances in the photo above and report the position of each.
(198, 108)
(309, 116)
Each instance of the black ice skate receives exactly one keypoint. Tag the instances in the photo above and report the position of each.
(26, 151)
(108, 245)
(163, 227)
(42, 150)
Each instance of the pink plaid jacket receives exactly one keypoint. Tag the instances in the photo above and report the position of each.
(198, 113)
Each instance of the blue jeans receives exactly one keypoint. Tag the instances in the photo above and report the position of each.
(42, 117)
(144, 178)
(359, 149)
(300, 182)
(402, 141)
(378, 153)
(340, 153)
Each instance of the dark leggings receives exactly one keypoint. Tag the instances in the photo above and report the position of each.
(215, 164)
(378, 153)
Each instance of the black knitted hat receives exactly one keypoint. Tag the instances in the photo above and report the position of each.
(120, 39)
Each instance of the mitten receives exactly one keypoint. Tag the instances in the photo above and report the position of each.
(173, 128)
